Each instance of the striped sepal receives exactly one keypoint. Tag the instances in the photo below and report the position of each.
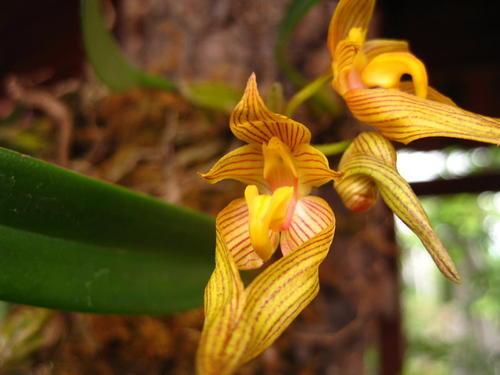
(375, 47)
(232, 224)
(370, 143)
(312, 168)
(252, 122)
(404, 118)
(348, 14)
(311, 216)
(346, 57)
(224, 302)
(432, 93)
(245, 164)
(283, 290)
(359, 193)
(240, 324)
(402, 200)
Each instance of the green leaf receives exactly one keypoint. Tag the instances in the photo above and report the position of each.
(74, 243)
(212, 95)
(106, 58)
(295, 11)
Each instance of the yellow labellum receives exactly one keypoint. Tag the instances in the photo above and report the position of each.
(266, 212)
(385, 70)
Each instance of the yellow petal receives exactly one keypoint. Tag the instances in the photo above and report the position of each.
(240, 324)
(282, 291)
(375, 47)
(400, 198)
(252, 122)
(312, 168)
(311, 216)
(245, 164)
(233, 225)
(404, 118)
(224, 303)
(347, 15)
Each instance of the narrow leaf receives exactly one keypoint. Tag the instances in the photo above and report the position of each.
(59, 216)
(106, 58)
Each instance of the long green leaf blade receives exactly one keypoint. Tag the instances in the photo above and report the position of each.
(59, 229)
(106, 58)
(43, 198)
(64, 275)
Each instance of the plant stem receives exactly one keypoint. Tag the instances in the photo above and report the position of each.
(306, 92)
(331, 149)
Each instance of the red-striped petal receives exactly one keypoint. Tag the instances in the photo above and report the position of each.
(404, 118)
(239, 323)
(224, 302)
(232, 223)
(432, 93)
(402, 201)
(281, 292)
(245, 164)
(348, 14)
(252, 122)
(311, 216)
(312, 168)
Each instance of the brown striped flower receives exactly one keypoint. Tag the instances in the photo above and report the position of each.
(368, 75)
(280, 167)
(369, 167)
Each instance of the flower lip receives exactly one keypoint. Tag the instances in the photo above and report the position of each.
(266, 213)
(385, 70)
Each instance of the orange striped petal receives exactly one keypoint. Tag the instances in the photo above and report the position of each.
(252, 122)
(370, 143)
(349, 14)
(312, 168)
(402, 201)
(347, 66)
(281, 292)
(240, 324)
(375, 47)
(311, 216)
(245, 164)
(404, 118)
(233, 225)
(432, 94)
(224, 303)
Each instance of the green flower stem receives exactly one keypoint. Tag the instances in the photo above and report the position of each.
(331, 149)
(306, 92)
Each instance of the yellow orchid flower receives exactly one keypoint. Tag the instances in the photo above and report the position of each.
(369, 167)
(240, 322)
(368, 75)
